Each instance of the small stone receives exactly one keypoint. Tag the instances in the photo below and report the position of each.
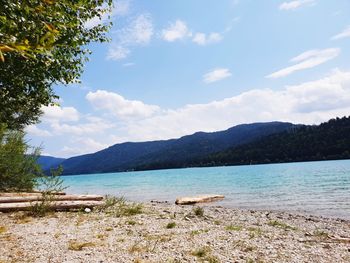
(87, 210)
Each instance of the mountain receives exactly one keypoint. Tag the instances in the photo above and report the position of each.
(169, 153)
(47, 162)
(327, 141)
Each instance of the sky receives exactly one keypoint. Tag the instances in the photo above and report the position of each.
(176, 67)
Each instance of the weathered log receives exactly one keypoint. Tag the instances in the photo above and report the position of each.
(19, 199)
(198, 199)
(57, 205)
(37, 193)
(54, 192)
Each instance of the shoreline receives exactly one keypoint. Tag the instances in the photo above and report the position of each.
(163, 232)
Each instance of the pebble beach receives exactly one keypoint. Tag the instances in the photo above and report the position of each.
(163, 232)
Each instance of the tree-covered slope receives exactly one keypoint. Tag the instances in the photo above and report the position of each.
(327, 141)
(170, 153)
(46, 162)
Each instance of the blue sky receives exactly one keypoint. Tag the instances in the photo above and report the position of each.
(181, 66)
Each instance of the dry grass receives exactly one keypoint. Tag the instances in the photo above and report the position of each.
(77, 246)
(3, 229)
(233, 228)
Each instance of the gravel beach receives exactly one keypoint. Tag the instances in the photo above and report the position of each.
(161, 232)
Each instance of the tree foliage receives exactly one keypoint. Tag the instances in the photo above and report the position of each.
(327, 141)
(43, 42)
(18, 169)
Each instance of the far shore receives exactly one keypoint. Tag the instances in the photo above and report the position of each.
(162, 232)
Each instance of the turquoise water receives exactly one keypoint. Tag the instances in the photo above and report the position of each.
(321, 188)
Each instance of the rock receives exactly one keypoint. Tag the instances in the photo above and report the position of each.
(87, 210)
(198, 199)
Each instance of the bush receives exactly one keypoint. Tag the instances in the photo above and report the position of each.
(18, 162)
(198, 211)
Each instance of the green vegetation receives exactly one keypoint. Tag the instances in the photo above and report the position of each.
(242, 144)
(43, 42)
(171, 225)
(328, 141)
(282, 225)
(321, 234)
(254, 232)
(198, 211)
(18, 167)
(118, 207)
(131, 222)
(233, 228)
(203, 254)
(197, 232)
(77, 246)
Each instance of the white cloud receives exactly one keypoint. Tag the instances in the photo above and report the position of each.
(138, 32)
(203, 39)
(344, 34)
(311, 102)
(117, 52)
(216, 75)
(119, 106)
(292, 5)
(176, 31)
(57, 113)
(92, 127)
(308, 59)
(35, 131)
(86, 145)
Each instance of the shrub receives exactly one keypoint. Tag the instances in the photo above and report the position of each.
(171, 225)
(198, 211)
(18, 162)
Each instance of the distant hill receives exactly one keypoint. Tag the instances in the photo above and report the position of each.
(327, 141)
(169, 153)
(47, 162)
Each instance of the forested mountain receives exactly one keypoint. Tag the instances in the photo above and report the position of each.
(327, 141)
(169, 153)
(48, 161)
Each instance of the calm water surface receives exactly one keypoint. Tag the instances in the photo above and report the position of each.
(321, 188)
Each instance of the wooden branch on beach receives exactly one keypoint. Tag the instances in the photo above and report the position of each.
(328, 240)
(40, 197)
(56, 205)
(35, 193)
(198, 199)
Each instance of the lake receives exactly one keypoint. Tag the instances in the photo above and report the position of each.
(319, 188)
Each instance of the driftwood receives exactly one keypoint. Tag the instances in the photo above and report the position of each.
(39, 197)
(56, 205)
(327, 240)
(36, 193)
(198, 199)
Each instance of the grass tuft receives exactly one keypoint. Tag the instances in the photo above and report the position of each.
(321, 234)
(119, 207)
(233, 228)
(201, 252)
(131, 222)
(171, 225)
(76, 246)
(282, 225)
(198, 211)
(2, 229)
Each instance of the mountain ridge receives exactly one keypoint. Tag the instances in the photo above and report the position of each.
(131, 155)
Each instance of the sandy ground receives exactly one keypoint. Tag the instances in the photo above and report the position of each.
(170, 233)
